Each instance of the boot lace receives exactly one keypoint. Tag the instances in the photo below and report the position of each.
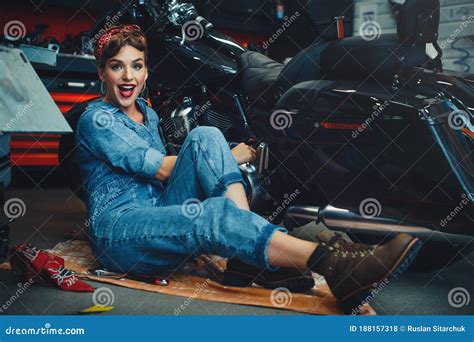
(339, 246)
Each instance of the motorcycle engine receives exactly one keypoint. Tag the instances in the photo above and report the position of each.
(178, 122)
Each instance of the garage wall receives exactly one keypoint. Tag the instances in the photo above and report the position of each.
(456, 28)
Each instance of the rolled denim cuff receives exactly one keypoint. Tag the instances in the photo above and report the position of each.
(263, 241)
(224, 182)
(151, 163)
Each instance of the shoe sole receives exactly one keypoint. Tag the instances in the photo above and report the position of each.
(298, 284)
(353, 300)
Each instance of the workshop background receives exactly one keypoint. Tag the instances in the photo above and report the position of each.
(33, 172)
(75, 79)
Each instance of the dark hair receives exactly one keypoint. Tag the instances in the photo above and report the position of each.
(133, 38)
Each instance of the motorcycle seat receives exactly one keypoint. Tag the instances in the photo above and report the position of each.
(357, 59)
(259, 74)
(265, 80)
(305, 66)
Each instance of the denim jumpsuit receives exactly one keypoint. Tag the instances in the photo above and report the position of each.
(138, 224)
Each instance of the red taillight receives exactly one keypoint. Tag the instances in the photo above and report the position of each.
(468, 132)
(345, 126)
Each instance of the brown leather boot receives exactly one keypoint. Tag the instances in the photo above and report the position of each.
(352, 269)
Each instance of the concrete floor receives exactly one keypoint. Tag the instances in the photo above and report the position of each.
(53, 212)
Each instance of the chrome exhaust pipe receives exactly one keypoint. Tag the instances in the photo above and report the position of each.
(336, 218)
(299, 215)
(343, 220)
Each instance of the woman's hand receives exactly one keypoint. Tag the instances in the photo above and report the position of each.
(166, 168)
(244, 153)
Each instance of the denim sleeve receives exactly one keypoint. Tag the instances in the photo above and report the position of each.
(108, 138)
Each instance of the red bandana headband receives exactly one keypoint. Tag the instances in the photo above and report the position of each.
(108, 34)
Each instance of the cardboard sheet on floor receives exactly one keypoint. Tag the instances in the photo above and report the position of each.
(201, 280)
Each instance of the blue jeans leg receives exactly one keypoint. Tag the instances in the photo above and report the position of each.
(158, 239)
(204, 168)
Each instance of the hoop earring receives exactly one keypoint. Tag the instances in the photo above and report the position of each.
(103, 88)
(142, 93)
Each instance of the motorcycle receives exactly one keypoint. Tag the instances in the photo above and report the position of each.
(367, 136)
